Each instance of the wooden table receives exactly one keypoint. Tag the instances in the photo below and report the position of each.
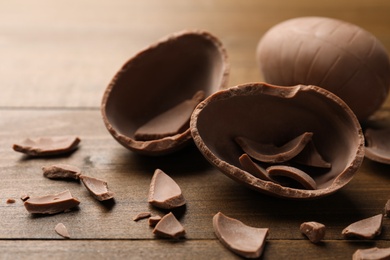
(57, 57)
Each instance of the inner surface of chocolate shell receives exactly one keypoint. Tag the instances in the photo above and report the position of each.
(272, 114)
(158, 79)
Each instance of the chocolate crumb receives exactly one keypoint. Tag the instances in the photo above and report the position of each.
(241, 239)
(367, 228)
(98, 188)
(51, 204)
(24, 197)
(10, 201)
(314, 231)
(372, 253)
(47, 146)
(62, 230)
(169, 227)
(387, 208)
(164, 192)
(141, 215)
(61, 171)
(154, 220)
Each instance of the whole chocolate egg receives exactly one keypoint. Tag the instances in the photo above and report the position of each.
(332, 54)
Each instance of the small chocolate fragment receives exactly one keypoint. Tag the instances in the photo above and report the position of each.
(271, 153)
(51, 204)
(10, 201)
(293, 173)
(311, 157)
(24, 197)
(387, 208)
(243, 240)
(174, 121)
(141, 215)
(378, 145)
(367, 228)
(47, 146)
(61, 171)
(250, 166)
(154, 220)
(314, 231)
(164, 192)
(62, 230)
(98, 188)
(372, 254)
(169, 227)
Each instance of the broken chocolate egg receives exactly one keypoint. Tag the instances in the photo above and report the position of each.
(160, 85)
(276, 115)
(338, 56)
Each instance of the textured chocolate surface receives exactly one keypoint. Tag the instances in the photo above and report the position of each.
(329, 53)
(61, 171)
(273, 114)
(159, 78)
(169, 227)
(97, 188)
(164, 192)
(241, 239)
(51, 204)
(366, 228)
(314, 231)
(47, 146)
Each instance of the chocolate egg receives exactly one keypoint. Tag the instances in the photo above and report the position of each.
(159, 85)
(335, 55)
(276, 115)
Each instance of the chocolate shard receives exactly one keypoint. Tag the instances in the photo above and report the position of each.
(378, 145)
(314, 231)
(367, 228)
(271, 153)
(141, 215)
(173, 121)
(61, 171)
(51, 204)
(24, 197)
(164, 192)
(47, 146)
(153, 220)
(98, 188)
(293, 173)
(387, 208)
(311, 157)
(169, 227)
(10, 201)
(253, 168)
(243, 240)
(372, 254)
(62, 230)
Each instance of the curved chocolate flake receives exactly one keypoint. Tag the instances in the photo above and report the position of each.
(271, 153)
(169, 227)
(366, 228)
(243, 240)
(164, 192)
(61, 171)
(378, 145)
(253, 168)
(51, 204)
(292, 173)
(97, 188)
(373, 253)
(47, 146)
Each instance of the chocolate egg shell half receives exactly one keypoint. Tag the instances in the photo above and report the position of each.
(274, 114)
(159, 78)
(329, 53)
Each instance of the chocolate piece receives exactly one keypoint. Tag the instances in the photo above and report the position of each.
(62, 230)
(51, 204)
(314, 231)
(248, 165)
(378, 145)
(24, 197)
(293, 173)
(171, 122)
(271, 153)
(47, 146)
(61, 171)
(164, 192)
(372, 254)
(169, 227)
(157, 79)
(141, 215)
(98, 188)
(10, 201)
(338, 56)
(154, 220)
(243, 240)
(273, 114)
(367, 228)
(387, 208)
(311, 157)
